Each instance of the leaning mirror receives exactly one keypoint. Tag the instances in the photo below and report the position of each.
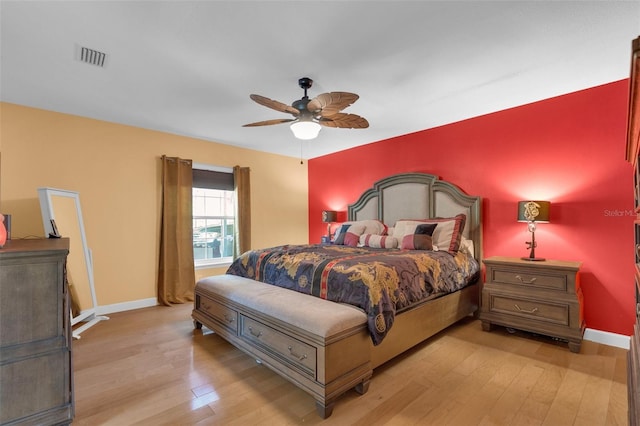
(62, 216)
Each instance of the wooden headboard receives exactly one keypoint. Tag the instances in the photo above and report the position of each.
(419, 196)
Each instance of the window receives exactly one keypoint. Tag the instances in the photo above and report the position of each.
(213, 217)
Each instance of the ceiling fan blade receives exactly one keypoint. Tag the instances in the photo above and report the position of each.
(270, 122)
(328, 104)
(344, 121)
(278, 106)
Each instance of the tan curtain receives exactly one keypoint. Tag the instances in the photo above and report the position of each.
(242, 187)
(176, 274)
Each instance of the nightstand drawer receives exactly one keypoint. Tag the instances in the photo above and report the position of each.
(529, 308)
(521, 276)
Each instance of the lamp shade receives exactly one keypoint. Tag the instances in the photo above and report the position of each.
(329, 216)
(530, 211)
(305, 130)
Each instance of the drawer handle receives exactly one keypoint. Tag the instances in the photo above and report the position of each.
(300, 357)
(229, 318)
(532, 311)
(531, 281)
(254, 334)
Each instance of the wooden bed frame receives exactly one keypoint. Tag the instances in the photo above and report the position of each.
(324, 347)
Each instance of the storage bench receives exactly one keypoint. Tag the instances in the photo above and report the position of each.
(321, 346)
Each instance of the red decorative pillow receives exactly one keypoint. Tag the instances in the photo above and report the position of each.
(350, 234)
(420, 239)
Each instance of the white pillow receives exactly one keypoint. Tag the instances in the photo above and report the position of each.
(466, 246)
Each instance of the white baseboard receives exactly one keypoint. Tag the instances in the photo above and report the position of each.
(597, 336)
(126, 306)
(607, 338)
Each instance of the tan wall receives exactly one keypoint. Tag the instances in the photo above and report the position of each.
(116, 170)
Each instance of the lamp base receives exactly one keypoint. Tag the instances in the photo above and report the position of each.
(534, 259)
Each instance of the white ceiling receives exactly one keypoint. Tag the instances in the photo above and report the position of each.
(188, 67)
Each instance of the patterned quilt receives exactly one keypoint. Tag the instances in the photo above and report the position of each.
(381, 282)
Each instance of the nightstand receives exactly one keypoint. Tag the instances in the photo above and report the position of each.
(542, 297)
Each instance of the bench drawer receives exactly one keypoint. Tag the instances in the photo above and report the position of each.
(286, 348)
(226, 316)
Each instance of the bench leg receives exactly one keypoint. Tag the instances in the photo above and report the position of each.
(197, 325)
(363, 387)
(324, 410)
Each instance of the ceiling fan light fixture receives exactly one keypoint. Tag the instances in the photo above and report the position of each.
(310, 115)
(305, 130)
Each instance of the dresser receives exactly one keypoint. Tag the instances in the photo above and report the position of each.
(36, 383)
(542, 297)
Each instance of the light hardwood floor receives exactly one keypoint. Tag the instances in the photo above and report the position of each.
(150, 367)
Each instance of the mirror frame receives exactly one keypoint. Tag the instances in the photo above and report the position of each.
(46, 196)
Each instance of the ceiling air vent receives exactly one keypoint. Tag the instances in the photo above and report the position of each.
(91, 56)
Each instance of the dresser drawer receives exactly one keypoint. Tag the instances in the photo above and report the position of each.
(223, 314)
(286, 348)
(522, 276)
(529, 309)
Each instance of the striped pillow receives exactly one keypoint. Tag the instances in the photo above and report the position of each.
(378, 241)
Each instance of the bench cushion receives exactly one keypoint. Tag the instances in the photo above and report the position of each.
(317, 316)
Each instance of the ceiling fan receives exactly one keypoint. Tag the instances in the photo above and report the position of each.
(310, 114)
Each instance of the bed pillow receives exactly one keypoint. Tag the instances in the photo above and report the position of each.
(446, 236)
(414, 234)
(448, 233)
(466, 246)
(374, 227)
(378, 241)
(338, 237)
(420, 239)
(405, 227)
(349, 234)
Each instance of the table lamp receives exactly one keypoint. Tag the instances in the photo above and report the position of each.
(328, 217)
(532, 212)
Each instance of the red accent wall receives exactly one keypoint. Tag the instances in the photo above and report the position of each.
(569, 150)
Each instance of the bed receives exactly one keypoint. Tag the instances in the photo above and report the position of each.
(309, 329)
